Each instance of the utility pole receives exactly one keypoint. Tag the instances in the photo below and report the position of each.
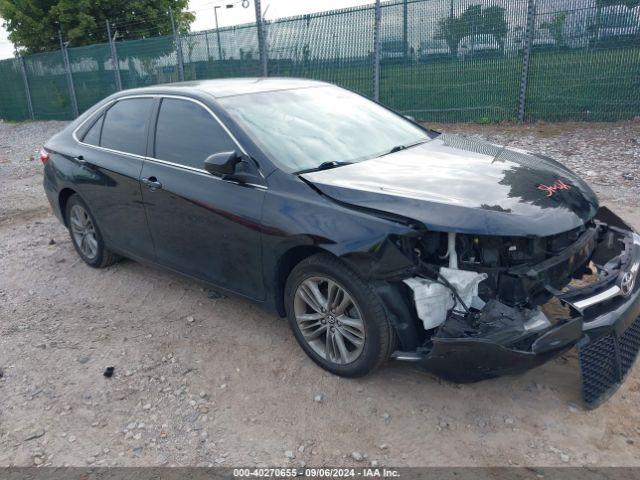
(215, 14)
(67, 66)
(114, 58)
(178, 40)
(262, 46)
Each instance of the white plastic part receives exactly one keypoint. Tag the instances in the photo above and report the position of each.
(433, 301)
(465, 283)
(451, 251)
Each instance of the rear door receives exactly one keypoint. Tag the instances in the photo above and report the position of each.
(112, 154)
(201, 225)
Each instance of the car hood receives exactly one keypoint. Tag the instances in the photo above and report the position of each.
(458, 184)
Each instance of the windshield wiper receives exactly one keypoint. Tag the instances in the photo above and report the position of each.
(324, 166)
(397, 148)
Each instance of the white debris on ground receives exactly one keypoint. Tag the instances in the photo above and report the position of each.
(202, 379)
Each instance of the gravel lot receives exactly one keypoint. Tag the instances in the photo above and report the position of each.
(203, 380)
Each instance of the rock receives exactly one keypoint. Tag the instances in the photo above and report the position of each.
(108, 372)
(301, 448)
(357, 456)
(374, 463)
(72, 438)
(38, 461)
(52, 242)
(509, 421)
(1, 373)
(318, 398)
(146, 406)
(564, 457)
(573, 408)
(33, 434)
(386, 417)
(190, 319)
(289, 454)
(384, 446)
(84, 359)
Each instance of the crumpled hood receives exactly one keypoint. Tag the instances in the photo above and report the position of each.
(458, 184)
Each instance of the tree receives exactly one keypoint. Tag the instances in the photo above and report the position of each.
(474, 20)
(556, 28)
(611, 3)
(33, 25)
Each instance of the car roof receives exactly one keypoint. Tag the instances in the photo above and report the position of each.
(228, 87)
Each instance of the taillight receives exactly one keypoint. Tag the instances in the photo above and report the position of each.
(44, 156)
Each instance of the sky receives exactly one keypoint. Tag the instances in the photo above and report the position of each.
(204, 12)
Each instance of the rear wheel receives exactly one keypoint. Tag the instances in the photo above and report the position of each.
(337, 318)
(86, 236)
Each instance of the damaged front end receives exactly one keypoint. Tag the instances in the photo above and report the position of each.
(477, 307)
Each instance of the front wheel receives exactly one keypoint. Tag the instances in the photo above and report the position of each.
(336, 317)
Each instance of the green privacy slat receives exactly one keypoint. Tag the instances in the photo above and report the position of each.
(13, 100)
(440, 60)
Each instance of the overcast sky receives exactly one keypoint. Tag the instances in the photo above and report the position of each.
(204, 9)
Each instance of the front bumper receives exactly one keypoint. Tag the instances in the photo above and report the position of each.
(604, 327)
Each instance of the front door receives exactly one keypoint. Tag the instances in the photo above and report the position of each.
(201, 225)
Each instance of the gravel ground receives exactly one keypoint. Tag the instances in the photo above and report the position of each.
(205, 380)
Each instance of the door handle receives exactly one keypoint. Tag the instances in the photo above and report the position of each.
(80, 159)
(152, 183)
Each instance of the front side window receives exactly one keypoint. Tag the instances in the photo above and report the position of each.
(187, 134)
(305, 128)
(125, 126)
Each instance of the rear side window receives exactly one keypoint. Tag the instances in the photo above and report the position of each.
(187, 134)
(92, 137)
(125, 126)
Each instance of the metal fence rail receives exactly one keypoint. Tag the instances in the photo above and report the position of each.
(438, 60)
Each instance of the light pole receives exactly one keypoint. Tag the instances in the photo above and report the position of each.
(215, 14)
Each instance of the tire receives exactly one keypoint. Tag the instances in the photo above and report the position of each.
(93, 250)
(365, 315)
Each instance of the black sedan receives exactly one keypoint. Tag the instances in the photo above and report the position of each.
(376, 237)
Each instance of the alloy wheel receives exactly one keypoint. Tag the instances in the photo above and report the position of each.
(83, 231)
(329, 320)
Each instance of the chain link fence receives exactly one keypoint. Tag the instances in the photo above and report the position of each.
(437, 60)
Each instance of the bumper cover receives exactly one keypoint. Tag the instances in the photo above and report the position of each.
(605, 328)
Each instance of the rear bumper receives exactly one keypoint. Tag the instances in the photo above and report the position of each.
(605, 328)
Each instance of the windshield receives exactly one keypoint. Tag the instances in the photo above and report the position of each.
(305, 128)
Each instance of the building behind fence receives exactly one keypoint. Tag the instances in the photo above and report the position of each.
(437, 60)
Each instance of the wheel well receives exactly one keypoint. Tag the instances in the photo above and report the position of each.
(63, 197)
(287, 262)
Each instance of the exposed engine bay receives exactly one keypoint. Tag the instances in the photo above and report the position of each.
(494, 305)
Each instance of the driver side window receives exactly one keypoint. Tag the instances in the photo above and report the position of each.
(187, 134)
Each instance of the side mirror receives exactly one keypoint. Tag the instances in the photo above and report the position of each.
(223, 163)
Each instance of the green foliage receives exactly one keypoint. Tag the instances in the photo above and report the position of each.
(33, 24)
(610, 3)
(556, 27)
(474, 20)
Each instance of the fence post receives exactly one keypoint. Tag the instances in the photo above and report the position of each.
(376, 52)
(262, 46)
(23, 69)
(405, 29)
(178, 40)
(114, 58)
(67, 66)
(526, 54)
